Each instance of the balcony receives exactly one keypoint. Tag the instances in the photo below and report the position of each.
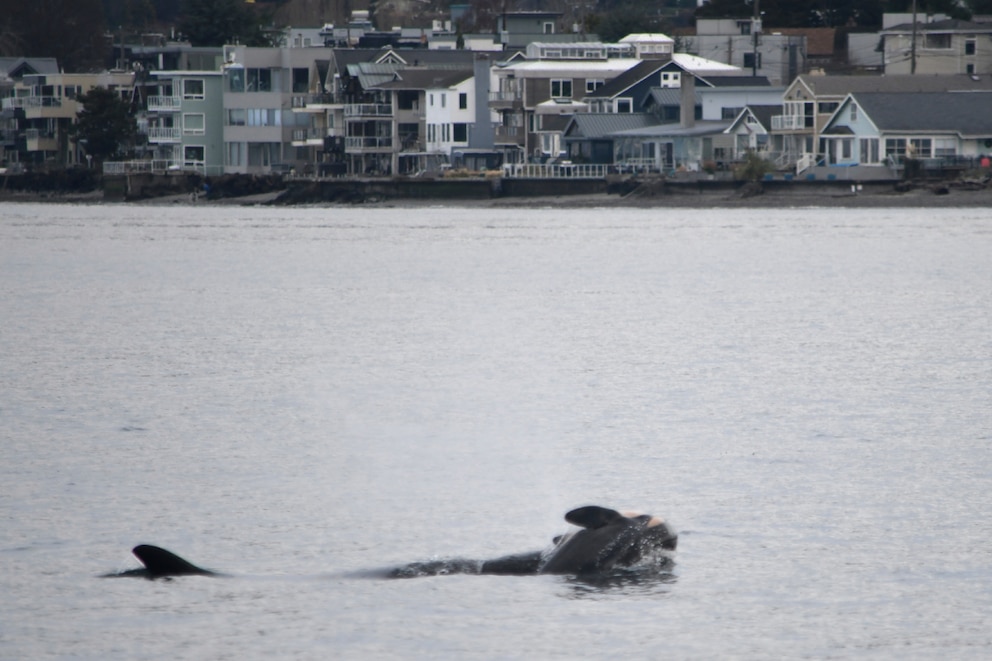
(368, 110)
(513, 135)
(32, 102)
(356, 144)
(164, 134)
(164, 103)
(37, 140)
(309, 137)
(312, 102)
(789, 123)
(505, 99)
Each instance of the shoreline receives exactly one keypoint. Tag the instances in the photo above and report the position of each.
(918, 197)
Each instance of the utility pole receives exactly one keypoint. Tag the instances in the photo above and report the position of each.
(912, 46)
(755, 29)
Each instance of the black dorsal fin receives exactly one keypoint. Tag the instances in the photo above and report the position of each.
(593, 516)
(160, 562)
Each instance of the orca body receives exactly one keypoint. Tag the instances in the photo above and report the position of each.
(159, 563)
(608, 541)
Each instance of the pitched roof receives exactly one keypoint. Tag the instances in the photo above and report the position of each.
(628, 79)
(843, 85)
(598, 125)
(422, 79)
(959, 112)
(738, 81)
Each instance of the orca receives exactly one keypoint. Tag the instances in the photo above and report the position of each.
(159, 563)
(608, 541)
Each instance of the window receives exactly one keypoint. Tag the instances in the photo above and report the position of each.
(854, 112)
(593, 84)
(749, 61)
(846, 147)
(895, 149)
(236, 117)
(944, 147)
(301, 80)
(235, 79)
(625, 105)
(263, 117)
(729, 113)
(969, 47)
(193, 155)
(193, 89)
(937, 41)
(671, 79)
(921, 147)
(462, 101)
(969, 68)
(869, 150)
(235, 153)
(444, 100)
(259, 80)
(459, 133)
(561, 88)
(193, 123)
(549, 27)
(744, 27)
(827, 107)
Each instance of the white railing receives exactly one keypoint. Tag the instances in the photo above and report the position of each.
(788, 122)
(163, 134)
(805, 162)
(300, 135)
(368, 110)
(505, 96)
(556, 171)
(134, 167)
(164, 102)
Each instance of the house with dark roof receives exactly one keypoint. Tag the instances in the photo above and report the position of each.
(942, 47)
(883, 129)
(810, 101)
(588, 137)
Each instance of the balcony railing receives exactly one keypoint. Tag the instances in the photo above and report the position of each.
(32, 102)
(788, 122)
(37, 134)
(505, 96)
(166, 103)
(301, 135)
(368, 110)
(132, 167)
(164, 134)
(309, 100)
(361, 143)
(556, 171)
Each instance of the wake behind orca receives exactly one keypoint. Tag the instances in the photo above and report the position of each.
(608, 541)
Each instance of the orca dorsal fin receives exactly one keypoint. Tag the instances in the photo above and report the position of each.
(593, 516)
(160, 562)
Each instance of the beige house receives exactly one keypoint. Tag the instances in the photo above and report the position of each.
(49, 105)
(941, 47)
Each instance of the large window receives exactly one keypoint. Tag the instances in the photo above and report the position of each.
(263, 116)
(193, 123)
(193, 89)
(236, 117)
(259, 80)
(937, 41)
(895, 149)
(236, 153)
(561, 88)
(944, 147)
(235, 79)
(193, 156)
(459, 133)
(920, 147)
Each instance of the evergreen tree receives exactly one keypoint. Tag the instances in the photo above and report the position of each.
(105, 127)
(71, 31)
(219, 22)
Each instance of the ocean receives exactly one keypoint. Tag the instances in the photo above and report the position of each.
(304, 398)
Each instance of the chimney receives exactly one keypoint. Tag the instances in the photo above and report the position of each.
(687, 109)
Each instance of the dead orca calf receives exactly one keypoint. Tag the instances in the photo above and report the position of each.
(608, 541)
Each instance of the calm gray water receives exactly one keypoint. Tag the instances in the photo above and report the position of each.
(304, 397)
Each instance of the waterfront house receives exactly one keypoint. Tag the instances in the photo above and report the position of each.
(184, 121)
(45, 106)
(751, 130)
(883, 129)
(810, 101)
